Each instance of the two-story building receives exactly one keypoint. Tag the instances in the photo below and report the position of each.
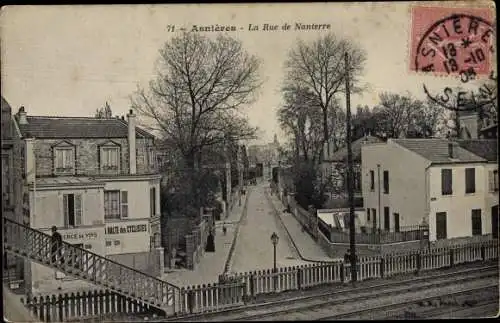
(443, 183)
(97, 181)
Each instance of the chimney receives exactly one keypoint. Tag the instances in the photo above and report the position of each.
(30, 160)
(131, 142)
(22, 116)
(450, 150)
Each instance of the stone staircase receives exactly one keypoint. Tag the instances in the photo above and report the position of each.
(36, 246)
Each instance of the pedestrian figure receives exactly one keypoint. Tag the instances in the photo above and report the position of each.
(224, 229)
(347, 256)
(56, 240)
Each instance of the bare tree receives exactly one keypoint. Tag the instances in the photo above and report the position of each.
(319, 67)
(196, 98)
(397, 113)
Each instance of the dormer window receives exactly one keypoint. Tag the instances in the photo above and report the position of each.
(64, 159)
(110, 157)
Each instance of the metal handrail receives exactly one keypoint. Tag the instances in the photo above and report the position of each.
(97, 256)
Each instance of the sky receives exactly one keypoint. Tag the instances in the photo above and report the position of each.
(70, 60)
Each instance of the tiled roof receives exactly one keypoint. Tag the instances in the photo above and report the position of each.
(78, 127)
(341, 154)
(436, 150)
(485, 148)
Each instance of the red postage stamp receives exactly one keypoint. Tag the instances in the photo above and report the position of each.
(452, 41)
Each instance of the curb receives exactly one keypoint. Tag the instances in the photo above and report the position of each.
(227, 265)
(276, 213)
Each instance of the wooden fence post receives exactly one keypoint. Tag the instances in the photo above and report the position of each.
(252, 287)
(61, 308)
(299, 278)
(382, 265)
(190, 300)
(419, 262)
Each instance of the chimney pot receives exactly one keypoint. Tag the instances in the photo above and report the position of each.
(450, 150)
(22, 116)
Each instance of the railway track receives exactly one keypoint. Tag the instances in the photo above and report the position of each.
(445, 304)
(308, 306)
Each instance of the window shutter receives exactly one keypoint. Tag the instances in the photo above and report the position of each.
(78, 209)
(65, 210)
(99, 149)
(491, 181)
(124, 204)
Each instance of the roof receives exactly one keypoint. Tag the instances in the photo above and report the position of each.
(341, 154)
(5, 105)
(485, 148)
(436, 150)
(78, 127)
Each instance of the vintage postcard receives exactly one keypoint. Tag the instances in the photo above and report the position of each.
(259, 161)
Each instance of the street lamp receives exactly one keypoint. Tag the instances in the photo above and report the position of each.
(274, 240)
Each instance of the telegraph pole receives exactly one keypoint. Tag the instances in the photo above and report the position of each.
(350, 177)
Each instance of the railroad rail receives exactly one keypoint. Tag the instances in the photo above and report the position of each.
(488, 293)
(329, 298)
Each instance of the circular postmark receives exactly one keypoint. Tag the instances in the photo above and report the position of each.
(459, 44)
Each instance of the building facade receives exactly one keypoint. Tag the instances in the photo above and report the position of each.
(14, 193)
(407, 182)
(97, 181)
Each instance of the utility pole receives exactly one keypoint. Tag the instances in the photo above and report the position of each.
(350, 177)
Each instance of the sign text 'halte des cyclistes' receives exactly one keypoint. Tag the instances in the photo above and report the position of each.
(127, 229)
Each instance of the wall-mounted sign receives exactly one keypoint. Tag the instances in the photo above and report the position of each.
(79, 236)
(127, 229)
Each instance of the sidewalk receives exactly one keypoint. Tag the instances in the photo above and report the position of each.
(308, 249)
(211, 264)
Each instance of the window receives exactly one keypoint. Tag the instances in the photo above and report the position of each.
(470, 180)
(124, 203)
(367, 214)
(372, 180)
(110, 158)
(476, 222)
(446, 182)
(64, 161)
(115, 205)
(152, 157)
(374, 218)
(6, 181)
(386, 182)
(72, 205)
(108, 243)
(493, 180)
(152, 200)
(386, 218)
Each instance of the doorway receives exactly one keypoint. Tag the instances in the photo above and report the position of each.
(396, 222)
(494, 221)
(441, 225)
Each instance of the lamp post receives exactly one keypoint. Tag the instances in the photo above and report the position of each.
(274, 240)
